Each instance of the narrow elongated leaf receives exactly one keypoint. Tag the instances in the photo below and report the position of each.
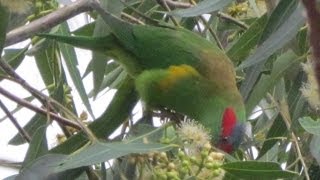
(37, 147)
(86, 30)
(256, 169)
(248, 40)
(266, 82)
(117, 82)
(13, 57)
(70, 58)
(280, 14)
(36, 122)
(302, 41)
(109, 79)
(315, 148)
(101, 152)
(278, 39)
(42, 168)
(99, 60)
(203, 7)
(276, 131)
(278, 27)
(46, 61)
(4, 20)
(50, 165)
(310, 125)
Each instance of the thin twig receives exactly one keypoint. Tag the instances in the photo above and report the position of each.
(164, 4)
(232, 19)
(212, 32)
(292, 164)
(131, 18)
(284, 112)
(14, 121)
(177, 4)
(44, 112)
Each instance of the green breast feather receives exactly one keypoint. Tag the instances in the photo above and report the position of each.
(183, 89)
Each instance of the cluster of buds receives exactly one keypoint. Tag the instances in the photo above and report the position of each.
(238, 9)
(194, 158)
(207, 165)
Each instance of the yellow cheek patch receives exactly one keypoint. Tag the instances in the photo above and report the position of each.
(176, 73)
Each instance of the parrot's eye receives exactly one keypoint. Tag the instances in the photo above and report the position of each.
(224, 139)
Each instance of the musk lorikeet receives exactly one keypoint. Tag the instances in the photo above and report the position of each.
(177, 69)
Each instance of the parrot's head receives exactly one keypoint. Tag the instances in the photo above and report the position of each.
(232, 131)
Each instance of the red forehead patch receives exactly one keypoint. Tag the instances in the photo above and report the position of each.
(229, 120)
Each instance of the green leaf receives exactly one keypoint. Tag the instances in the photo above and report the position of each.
(99, 62)
(117, 112)
(278, 39)
(117, 82)
(272, 155)
(4, 20)
(310, 125)
(101, 152)
(283, 23)
(202, 7)
(86, 30)
(315, 148)
(70, 58)
(111, 78)
(46, 61)
(41, 168)
(257, 170)
(302, 41)
(36, 122)
(242, 47)
(275, 133)
(101, 29)
(279, 15)
(13, 57)
(266, 82)
(37, 147)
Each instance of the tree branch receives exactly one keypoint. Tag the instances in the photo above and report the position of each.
(44, 112)
(37, 94)
(42, 24)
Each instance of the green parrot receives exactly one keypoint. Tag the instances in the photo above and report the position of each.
(177, 69)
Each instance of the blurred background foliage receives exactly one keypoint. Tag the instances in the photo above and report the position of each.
(266, 40)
